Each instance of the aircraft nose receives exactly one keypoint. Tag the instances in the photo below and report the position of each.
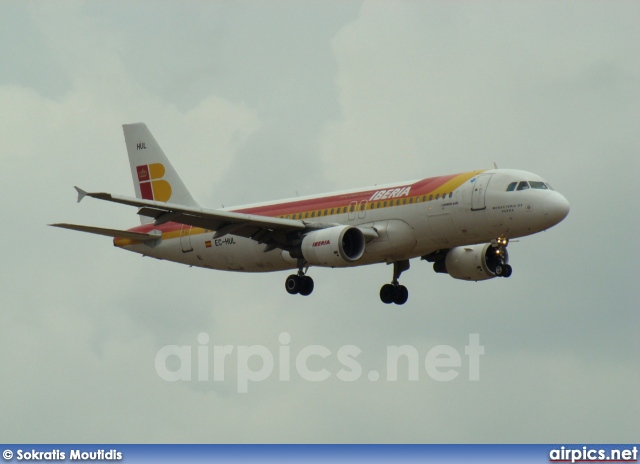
(555, 207)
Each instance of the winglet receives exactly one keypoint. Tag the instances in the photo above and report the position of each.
(81, 193)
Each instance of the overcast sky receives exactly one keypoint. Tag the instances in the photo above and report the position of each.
(257, 100)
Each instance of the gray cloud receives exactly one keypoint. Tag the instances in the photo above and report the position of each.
(254, 101)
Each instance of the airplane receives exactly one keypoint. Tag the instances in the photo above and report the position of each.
(462, 223)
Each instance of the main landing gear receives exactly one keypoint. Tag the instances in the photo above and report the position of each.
(501, 269)
(299, 283)
(394, 292)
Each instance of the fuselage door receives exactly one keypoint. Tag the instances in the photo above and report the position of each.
(185, 238)
(362, 209)
(353, 206)
(479, 192)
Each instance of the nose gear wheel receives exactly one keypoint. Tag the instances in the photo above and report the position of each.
(502, 269)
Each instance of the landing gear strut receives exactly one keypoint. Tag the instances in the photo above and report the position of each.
(394, 292)
(299, 283)
(501, 269)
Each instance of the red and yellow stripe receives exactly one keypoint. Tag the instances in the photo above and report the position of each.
(421, 191)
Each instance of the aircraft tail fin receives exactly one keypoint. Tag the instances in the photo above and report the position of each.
(154, 178)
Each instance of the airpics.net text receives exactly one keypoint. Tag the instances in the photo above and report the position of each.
(257, 363)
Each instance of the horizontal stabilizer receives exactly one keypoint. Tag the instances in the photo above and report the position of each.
(111, 232)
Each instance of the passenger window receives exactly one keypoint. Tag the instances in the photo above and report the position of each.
(430, 197)
(325, 212)
(313, 213)
(378, 205)
(331, 210)
(404, 202)
(410, 200)
(512, 186)
(524, 185)
(306, 215)
(450, 194)
(424, 198)
(344, 210)
(437, 196)
(385, 204)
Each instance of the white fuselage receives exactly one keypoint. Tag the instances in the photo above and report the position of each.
(459, 210)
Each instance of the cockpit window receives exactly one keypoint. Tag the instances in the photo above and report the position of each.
(538, 185)
(523, 185)
(548, 185)
(512, 186)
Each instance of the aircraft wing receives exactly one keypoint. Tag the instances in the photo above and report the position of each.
(223, 222)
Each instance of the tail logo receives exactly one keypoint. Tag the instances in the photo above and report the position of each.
(152, 186)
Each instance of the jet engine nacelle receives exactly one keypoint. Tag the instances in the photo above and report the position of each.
(333, 246)
(476, 262)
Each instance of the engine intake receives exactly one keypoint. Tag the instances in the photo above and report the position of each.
(334, 246)
(477, 262)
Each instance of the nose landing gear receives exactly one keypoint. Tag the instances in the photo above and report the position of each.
(394, 292)
(501, 268)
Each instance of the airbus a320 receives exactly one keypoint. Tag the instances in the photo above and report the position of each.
(462, 223)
